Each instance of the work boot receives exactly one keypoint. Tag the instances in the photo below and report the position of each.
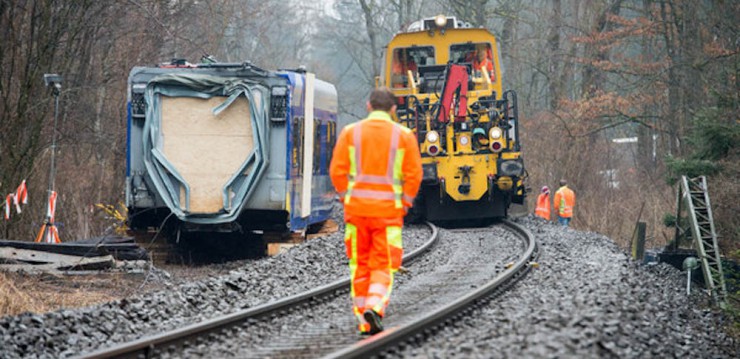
(376, 325)
(364, 328)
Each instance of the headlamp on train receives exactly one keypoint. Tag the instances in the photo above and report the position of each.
(432, 136)
(496, 144)
(440, 21)
(433, 149)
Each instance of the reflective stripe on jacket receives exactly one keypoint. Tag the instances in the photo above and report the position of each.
(564, 202)
(543, 206)
(376, 167)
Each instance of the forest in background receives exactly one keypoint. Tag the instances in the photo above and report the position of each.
(662, 73)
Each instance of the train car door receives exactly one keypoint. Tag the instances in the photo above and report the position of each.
(308, 146)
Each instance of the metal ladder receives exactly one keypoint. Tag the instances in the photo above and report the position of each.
(693, 194)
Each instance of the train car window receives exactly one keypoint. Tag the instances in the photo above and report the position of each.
(478, 55)
(409, 59)
(432, 78)
(331, 134)
(297, 150)
(317, 144)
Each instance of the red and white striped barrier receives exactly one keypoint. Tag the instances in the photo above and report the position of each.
(8, 200)
(21, 196)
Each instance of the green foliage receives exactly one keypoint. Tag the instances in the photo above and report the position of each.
(669, 220)
(732, 282)
(689, 167)
(714, 135)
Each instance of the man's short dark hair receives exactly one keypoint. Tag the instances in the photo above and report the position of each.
(382, 99)
(563, 182)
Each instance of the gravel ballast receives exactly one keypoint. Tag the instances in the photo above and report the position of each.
(68, 333)
(586, 299)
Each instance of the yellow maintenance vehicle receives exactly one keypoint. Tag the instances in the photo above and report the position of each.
(447, 78)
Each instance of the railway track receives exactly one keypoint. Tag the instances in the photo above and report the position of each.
(317, 323)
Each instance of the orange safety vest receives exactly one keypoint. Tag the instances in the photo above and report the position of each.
(485, 63)
(564, 202)
(543, 206)
(376, 167)
(400, 68)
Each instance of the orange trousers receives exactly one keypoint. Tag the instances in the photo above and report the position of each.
(375, 249)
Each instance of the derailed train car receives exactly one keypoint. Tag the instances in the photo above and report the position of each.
(228, 147)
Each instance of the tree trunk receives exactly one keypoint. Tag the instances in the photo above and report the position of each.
(555, 86)
(593, 78)
(372, 34)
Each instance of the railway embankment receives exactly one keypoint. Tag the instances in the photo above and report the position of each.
(586, 298)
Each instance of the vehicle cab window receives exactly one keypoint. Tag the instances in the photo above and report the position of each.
(478, 55)
(407, 59)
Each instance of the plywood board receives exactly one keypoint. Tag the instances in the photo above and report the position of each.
(205, 149)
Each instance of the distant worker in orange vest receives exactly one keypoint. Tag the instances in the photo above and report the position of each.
(400, 67)
(376, 169)
(481, 60)
(543, 204)
(564, 202)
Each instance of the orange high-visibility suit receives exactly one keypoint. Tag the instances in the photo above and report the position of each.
(376, 169)
(543, 206)
(401, 68)
(486, 63)
(564, 202)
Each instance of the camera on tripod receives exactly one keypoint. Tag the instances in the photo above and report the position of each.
(54, 81)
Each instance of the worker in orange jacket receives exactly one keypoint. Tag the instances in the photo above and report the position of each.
(543, 204)
(481, 60)
(376, 169)
(564, 202)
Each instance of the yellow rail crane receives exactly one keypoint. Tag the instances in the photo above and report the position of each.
(446, 76)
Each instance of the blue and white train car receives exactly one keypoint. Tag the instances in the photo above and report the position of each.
(228, 147)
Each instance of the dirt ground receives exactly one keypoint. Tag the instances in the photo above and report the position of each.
(40, 293)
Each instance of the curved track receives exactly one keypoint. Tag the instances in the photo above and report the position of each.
(442, 285)
(197, 335)
(424, 326)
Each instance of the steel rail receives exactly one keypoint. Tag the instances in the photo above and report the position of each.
(148, 347)
(379, 343)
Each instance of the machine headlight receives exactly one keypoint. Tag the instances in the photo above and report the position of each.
(495, 133)
(440, 20)
(433, 150)
(464, 140)
(432, 136)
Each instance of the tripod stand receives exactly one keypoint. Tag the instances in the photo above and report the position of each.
(49, 231)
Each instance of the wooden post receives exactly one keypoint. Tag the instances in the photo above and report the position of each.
(638, 242)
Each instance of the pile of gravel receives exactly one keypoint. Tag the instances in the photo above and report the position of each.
(587, 299)
(66, 333)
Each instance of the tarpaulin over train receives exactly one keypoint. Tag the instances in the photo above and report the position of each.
(205, 143)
